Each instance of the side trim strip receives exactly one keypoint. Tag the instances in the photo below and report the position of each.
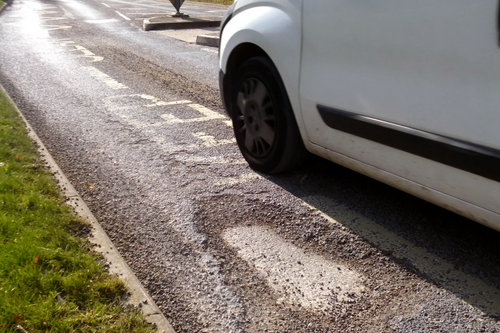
(498, 23)
(480, 160)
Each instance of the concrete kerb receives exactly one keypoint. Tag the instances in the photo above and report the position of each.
(4, 6)
(117, 265)
(186, 23)
(208, 40)
(169, 22)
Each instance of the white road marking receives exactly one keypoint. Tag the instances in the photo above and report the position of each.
(210, 141)
(52, 19)
(126, 18)
(67, 13)
(166, 146)
(112, 83)
(161, 103)
(88, 54)
(212, 160)
(163, 13)
(58, 27)
(120, 103)
(103, 21)
(65, 41)
(230, 181)
(206, 112)
(85, 51)
(157, 102)
(447, 276)
(303, 279)
(139, 8)
(105, 4)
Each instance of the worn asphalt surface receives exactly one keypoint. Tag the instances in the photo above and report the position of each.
(219, 247)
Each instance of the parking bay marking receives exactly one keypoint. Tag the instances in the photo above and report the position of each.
(230, 181)
(117, 104)
(125, 17)
(58, 27)
(158, 102)
(86, 53)
(206, 112)
(110, 82)
(172, 148)
(171, 119)
(210, 141)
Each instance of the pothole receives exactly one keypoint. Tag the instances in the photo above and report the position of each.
(302, 279)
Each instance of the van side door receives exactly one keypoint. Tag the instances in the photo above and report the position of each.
(426, 68)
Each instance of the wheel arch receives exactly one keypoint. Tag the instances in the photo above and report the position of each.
(271, 28)
(238, 56)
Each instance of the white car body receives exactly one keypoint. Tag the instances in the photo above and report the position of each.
(406, 92)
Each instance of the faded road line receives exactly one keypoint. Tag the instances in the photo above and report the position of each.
(112, 83)
(206, 112)
(469, 288)
(126, 18)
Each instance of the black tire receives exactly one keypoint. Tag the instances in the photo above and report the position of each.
(263, 121)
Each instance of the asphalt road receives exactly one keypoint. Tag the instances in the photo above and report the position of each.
(135, 121)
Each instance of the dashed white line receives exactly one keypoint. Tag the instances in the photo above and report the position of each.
(162, 13)
(210, 141)
(105, 4)
(53, 19)
(206, 112)
(230, 181)
(58, 27)
(126, 18)
(112, 83)
(162, 103)
(87, 53)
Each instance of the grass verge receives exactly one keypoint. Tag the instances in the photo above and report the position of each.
(50, 279)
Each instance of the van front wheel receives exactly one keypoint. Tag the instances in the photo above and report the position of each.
(263, 121)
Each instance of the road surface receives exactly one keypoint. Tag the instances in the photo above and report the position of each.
(135, 121)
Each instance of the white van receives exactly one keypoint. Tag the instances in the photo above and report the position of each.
(406, 92)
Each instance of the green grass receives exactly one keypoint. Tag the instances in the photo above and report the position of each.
(1, 3)
(50, 280)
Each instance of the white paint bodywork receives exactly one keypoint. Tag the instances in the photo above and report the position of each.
(430, 66)
(274, 26)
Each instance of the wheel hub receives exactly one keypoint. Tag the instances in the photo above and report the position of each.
(253, 116)
(256, 120)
